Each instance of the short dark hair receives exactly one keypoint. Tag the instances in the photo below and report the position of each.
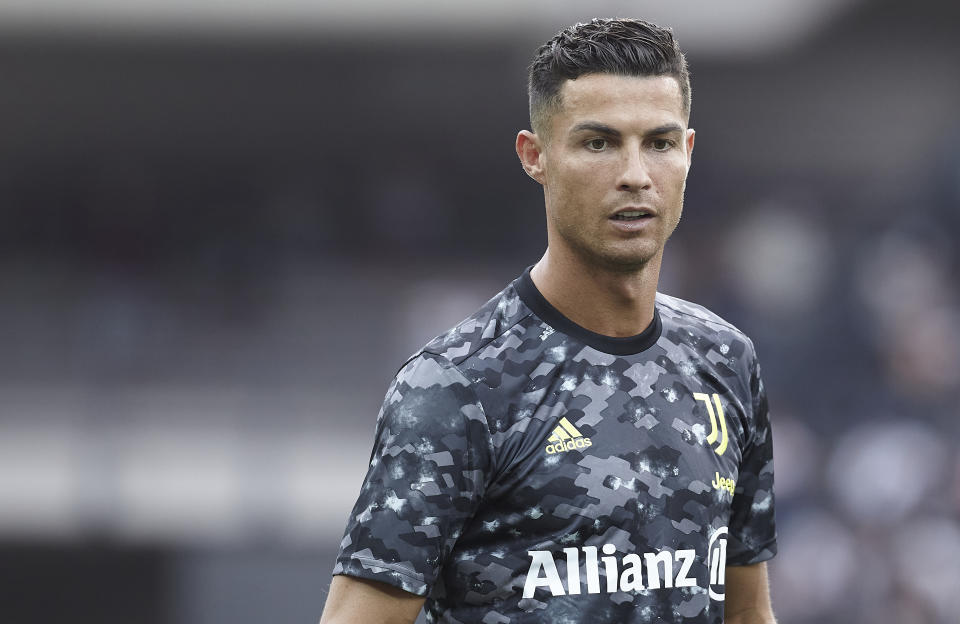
(626, 47)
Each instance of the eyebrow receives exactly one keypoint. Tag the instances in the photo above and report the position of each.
(593, 126)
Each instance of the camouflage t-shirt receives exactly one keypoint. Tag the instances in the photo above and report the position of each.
(526, 469)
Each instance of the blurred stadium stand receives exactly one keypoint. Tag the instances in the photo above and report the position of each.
(222, 231)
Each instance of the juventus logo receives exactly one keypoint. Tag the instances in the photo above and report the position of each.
(714, 434)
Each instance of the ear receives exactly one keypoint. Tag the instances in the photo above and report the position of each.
(691, 134)
(530, 151)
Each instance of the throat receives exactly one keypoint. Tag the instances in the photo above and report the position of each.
(617, 305)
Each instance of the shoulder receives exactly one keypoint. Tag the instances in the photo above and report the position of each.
(694, 321)
(432, 398)
(454, 364)
(492, 324)
(684, 311)
(437, 388)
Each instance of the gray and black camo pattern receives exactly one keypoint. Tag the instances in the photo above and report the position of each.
(460, 486)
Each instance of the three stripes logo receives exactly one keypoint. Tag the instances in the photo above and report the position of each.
(565, 438)
(699, 396)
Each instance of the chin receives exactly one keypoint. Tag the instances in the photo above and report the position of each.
(617, 256)
(637, 254)
(623, 261)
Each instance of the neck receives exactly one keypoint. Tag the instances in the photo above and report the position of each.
(605, 301)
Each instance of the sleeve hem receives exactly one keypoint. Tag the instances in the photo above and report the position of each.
(765, 553)
(389, 573)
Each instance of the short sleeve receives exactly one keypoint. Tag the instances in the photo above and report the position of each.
(427, 474)
(752, 536)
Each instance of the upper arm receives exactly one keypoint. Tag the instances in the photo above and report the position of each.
(753, 533)
(360, 601)
(426, 477)
(752, 537)
(747, 599)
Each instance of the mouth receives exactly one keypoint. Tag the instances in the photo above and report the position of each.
(632, 214)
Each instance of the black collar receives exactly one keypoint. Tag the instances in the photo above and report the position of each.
(608, 344)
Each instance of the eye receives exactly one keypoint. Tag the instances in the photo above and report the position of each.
(596, 145)
(662, 145)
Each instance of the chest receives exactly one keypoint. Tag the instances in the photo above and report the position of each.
(621, 442)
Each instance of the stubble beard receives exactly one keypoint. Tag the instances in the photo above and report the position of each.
(596, 254)
(625, 258)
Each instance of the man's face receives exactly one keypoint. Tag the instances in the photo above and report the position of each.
(614, 167)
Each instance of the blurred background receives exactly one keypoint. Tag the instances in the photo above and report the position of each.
(223, 226)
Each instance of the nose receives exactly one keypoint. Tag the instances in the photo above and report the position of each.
(634, 174)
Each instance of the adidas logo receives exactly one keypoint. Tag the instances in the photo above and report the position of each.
(566, 438)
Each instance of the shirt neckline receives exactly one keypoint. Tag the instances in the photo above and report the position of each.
(628, 345)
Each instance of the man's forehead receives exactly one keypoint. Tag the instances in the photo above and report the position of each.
(629, 98)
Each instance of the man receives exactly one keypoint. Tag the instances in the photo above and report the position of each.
(583, 448)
